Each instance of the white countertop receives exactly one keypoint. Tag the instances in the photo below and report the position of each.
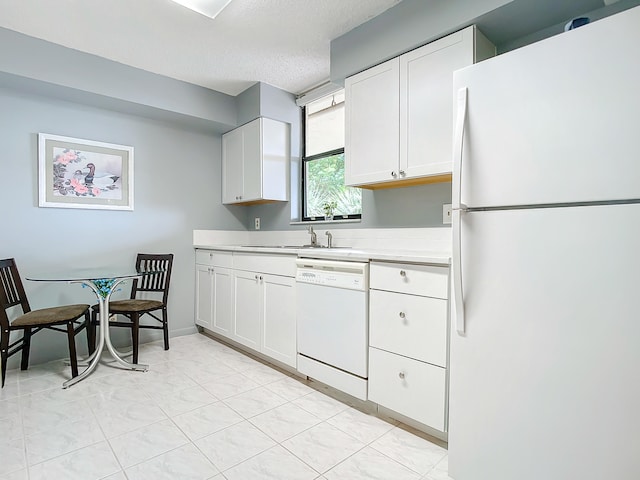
(343, 253)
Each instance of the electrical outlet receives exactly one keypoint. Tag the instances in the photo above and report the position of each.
(446, 214)
(256, 223)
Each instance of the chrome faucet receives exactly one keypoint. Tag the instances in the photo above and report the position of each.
(314, 237)
(329, 238)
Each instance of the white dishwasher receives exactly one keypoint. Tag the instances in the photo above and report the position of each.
(333, 323)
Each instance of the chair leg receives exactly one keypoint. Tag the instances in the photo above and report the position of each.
(165, 328)
(90, 322)
(135, 331)
(4, 352)
(91, 332)
(73, 358)
(26, 347)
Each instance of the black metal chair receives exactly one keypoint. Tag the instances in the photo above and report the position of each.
(134, 308)
(32, 321)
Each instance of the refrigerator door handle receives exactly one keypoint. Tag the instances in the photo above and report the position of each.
(458, 209)
(457, 270)
(458, 136)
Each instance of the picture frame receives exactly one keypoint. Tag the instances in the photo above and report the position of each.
(77, 173)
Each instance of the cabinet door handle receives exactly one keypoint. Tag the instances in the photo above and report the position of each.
(401, 375)
(256, 277)
(403, 273)
(394, 174)
(402, 315)
(260, 278)
(402, 174)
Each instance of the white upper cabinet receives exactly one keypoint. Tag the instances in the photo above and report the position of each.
(371, 122)
(426, 115)
(399, 114)
(232, 165)
(255, 162)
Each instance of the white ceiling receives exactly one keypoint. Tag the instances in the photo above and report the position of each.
(284, 43)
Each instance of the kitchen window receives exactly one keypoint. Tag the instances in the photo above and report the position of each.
(323, 163)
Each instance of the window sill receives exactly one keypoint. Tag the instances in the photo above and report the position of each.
(316, 222)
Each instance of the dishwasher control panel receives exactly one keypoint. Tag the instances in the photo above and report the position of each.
(348, 275)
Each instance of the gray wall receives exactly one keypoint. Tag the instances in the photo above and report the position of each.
(177, 190)
(93, 80)
(419, 206)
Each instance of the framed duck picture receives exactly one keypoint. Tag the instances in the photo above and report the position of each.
(76, 173)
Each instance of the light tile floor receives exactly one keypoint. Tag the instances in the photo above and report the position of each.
(203, 411)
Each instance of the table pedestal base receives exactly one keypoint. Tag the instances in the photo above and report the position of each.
(104, 338)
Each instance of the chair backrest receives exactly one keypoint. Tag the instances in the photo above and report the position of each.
(157, 282)
(11, 290)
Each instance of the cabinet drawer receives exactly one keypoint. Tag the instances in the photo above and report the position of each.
(426, 280)
(216, 258)
(409, 325)
(284, 265)
(409, 387)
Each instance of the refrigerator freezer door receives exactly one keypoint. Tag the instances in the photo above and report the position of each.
(544, 381)
(556, 121)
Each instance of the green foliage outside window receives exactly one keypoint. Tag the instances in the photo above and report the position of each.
(325, 184)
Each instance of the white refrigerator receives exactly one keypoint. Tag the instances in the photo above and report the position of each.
(545, 340)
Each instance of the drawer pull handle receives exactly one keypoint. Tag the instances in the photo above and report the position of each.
(402, 315)
(403, 273)
(401, 375)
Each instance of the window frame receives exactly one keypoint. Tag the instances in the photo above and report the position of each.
(303, 175)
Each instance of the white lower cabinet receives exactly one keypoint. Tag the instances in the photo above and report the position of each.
(410, 387)
(204, 296)
(408, 343)
(222, 288)
(265, 317)
(246, 308)
(251, 300)
(413, 325)
(213, 287)
(279, 318)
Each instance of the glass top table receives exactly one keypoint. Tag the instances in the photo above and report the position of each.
(86, 274)
(103, 282)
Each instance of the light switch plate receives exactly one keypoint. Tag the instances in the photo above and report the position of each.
(446, 214)
(256, 223)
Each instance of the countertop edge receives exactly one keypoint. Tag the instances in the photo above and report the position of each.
(414, 256)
